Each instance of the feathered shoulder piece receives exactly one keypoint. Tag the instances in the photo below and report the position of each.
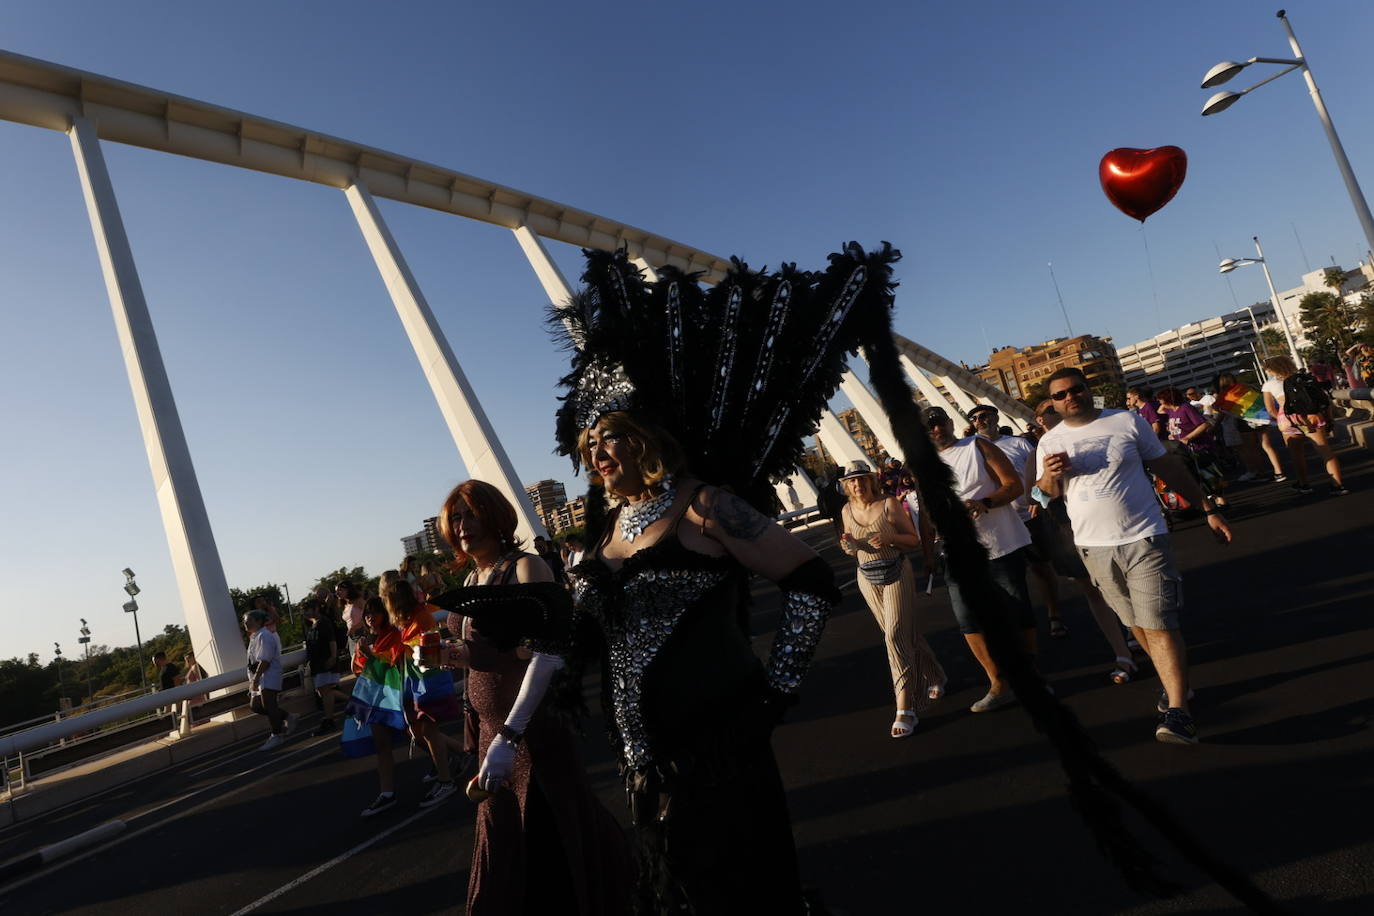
(739, 372)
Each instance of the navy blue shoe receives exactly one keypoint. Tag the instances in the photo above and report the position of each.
(1176, 727)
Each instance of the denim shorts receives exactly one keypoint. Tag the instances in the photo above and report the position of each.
(1009, 574)
(1140, 581)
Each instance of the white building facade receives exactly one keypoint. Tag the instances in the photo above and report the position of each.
(1196, 353)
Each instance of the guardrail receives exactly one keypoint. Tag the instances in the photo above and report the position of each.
(19, 743)
(59, 715)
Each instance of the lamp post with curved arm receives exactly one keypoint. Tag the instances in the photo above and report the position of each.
(1224, 100)
(1229, 264)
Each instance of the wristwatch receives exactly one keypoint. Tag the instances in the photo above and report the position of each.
(987, 503)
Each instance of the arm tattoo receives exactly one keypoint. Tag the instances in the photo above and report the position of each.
(739, 519)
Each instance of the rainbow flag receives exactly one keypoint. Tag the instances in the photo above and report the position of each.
(395, 696)
(1244, 402)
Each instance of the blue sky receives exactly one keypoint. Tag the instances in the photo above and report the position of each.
(967, 134)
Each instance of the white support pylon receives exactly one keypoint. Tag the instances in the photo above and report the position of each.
(210, 619)
(806, 490)
(932, 394)
(649, 273)
(871, 411)
(550, 277)
(472, 432)
(839, 442)
(960, 396)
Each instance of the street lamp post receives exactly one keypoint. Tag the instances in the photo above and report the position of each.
(57, 660)
(1229, 264)
(1224, 100)
(131, 607)
(85, 640)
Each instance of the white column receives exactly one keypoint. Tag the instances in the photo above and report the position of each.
(478, 446)
(210, 618)
(550, 277)
(927, 388)
(960, 396)
(805, 488)
(649, 273)
(839, 443)
(872, 412)
(806, 491)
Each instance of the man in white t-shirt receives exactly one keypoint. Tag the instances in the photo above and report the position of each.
(1096, 460)
(264, 676)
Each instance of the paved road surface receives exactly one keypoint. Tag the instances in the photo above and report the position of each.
(969, 816)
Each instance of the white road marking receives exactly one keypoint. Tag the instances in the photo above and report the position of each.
(320, 869)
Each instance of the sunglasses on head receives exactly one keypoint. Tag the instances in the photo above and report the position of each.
(1072, 389)
(936, 419)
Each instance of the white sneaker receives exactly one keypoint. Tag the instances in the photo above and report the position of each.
(271, 742)
(1247, 477)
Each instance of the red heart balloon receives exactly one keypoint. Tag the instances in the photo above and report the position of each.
(1139, 182)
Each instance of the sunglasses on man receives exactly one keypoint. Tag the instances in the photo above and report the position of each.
(1065, 392)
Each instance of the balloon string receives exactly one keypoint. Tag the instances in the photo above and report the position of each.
(1154, 291)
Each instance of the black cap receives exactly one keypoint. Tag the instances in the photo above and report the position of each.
(981, 408)
(934, 413)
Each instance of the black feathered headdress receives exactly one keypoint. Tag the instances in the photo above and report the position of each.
(739, 373)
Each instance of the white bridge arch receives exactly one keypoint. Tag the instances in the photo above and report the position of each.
(90, 108)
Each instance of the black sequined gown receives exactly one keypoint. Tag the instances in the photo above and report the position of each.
(689, 722)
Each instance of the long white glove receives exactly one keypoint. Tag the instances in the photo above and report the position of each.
(500, 759)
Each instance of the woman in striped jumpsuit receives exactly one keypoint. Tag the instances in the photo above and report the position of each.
(879, 531)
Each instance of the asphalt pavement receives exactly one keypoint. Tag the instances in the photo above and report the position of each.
(968, 816)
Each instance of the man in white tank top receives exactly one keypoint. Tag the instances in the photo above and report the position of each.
(1021, 453)
(988, 484)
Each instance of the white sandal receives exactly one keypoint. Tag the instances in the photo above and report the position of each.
(901, 729)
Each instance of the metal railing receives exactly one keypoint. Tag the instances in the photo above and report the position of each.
(122, 715)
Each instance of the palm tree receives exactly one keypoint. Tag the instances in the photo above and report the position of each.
(1334, 277)
(1327, 323)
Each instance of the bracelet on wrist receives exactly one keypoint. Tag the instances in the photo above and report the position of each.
(511, 735)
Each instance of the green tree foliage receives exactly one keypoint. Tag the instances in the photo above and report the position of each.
(1364, 319)
(1034, 393)
(1334, 277)
(1329, 324)
(1274, 341)
(356, 575)
(1113, 394)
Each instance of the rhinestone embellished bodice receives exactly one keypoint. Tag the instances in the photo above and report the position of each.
(639, 607)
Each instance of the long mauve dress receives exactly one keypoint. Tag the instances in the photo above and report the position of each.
(544, 844)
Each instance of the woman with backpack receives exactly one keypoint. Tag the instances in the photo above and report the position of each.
(1299, 403)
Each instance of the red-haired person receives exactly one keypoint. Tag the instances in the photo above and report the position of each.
(543, 843)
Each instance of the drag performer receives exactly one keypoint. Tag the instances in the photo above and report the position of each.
(543, 843)
(693, 708)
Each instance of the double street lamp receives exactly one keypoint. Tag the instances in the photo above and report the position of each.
(1229, 264)
(1224, 100)
(85, 640)
(131, 607)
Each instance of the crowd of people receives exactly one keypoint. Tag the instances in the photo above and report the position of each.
(657, 600)
(1086, 494)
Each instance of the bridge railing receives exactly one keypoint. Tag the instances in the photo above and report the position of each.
(100, 722)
